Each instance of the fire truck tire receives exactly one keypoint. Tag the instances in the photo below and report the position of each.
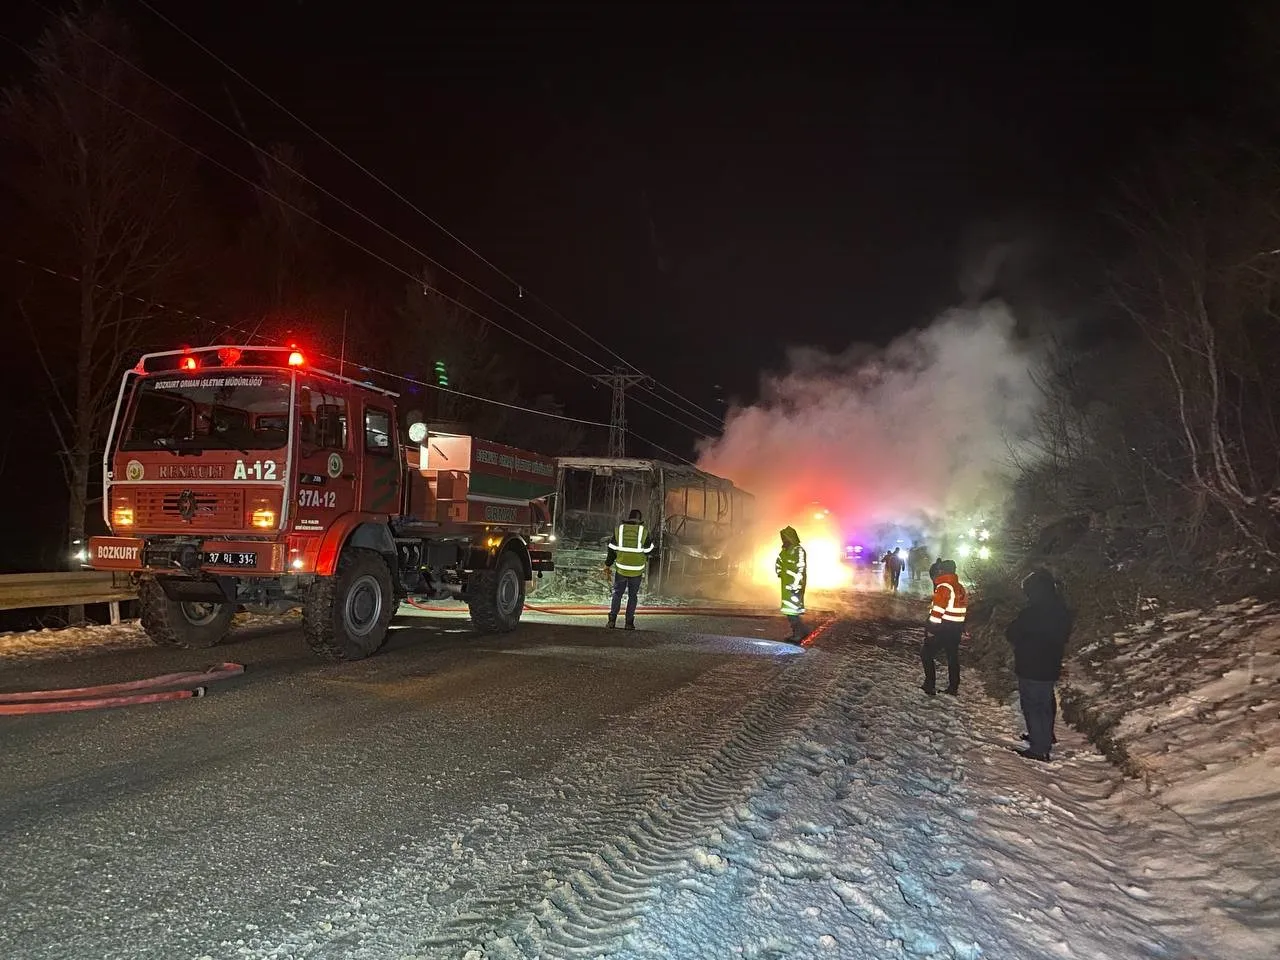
(346, 616)
(172, 623)
(496, 597)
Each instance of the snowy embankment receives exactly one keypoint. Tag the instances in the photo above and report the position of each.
(63, 643)
(837, 814)
(1190, 703)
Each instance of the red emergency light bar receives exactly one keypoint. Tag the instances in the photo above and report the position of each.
(221, 356)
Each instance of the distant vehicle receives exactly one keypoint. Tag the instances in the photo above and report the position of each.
(239, 476)
(855, 553)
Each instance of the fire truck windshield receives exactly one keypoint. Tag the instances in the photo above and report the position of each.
(213, 410)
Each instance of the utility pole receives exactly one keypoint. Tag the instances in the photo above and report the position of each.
(619, 381)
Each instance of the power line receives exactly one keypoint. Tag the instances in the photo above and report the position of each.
(297, 173)
(718, 421)
(229, 327)
(658, 446)
(301, 212)
(371, 221)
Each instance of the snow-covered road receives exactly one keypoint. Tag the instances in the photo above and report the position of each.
(694, 790)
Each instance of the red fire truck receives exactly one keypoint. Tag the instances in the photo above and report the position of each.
(246, 477)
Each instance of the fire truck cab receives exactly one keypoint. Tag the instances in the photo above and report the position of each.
(240, 477)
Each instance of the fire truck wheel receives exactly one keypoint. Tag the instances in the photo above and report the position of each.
(347, 615)
(174, 623)
(496, 597)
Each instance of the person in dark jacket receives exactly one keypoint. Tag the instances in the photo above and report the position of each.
(1039, 635)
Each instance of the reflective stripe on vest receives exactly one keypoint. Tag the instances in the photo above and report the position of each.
(791, 567)
(952, 612)
(633, 555)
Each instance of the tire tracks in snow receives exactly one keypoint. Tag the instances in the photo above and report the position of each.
(899, 827)
(601, 875)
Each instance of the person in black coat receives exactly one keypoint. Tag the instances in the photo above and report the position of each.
(1039, 636)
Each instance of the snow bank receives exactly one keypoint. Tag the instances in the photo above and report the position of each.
(1193, 699)
(64, 643)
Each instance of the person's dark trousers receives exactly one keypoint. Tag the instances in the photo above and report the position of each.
(631, 587)
(798, 629)
(946, 639)
(1040, 710)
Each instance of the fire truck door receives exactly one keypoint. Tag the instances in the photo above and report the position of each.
(380, 462)
(327, 467)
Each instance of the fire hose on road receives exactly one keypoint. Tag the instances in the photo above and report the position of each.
(185, 686)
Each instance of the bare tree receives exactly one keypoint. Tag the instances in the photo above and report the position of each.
(1203, 287)
(104, 187)
(282, 255)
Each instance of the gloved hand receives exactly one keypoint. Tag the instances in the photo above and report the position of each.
(606, 574)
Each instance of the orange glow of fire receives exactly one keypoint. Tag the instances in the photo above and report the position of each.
(825, 552)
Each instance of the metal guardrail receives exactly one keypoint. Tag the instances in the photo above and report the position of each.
(28, 591)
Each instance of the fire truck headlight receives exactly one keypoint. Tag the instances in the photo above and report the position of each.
(964, 550)
(122, 517)
(984, 553)
(264, 518)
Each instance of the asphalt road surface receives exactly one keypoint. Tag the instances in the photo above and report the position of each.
(410, 800)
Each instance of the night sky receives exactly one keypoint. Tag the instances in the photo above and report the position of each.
(700, 188)
(673, 178)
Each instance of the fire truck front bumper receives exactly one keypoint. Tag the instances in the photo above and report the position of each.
(188, 556)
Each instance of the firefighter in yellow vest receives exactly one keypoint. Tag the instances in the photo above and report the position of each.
(629, 557)
(792, 570)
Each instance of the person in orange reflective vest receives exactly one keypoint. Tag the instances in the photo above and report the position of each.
(944, 628)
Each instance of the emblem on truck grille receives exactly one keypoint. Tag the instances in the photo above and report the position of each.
(187, 505)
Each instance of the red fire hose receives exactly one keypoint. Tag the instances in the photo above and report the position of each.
(816, 633)
(128, 693)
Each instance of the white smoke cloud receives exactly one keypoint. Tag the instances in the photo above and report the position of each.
(905, 435)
